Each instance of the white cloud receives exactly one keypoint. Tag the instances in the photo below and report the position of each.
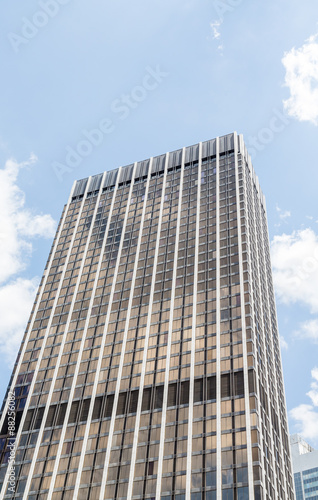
(215, 28)
(283, 343)
(283, 214)
(314, 374)
(16, 301)
(306, 418)
(216, 34)
(37, 225)
(18, 227)
(18, 224)
(309, 330)
(295, 268)
(302, 79)
(313, 393)
(305, 415)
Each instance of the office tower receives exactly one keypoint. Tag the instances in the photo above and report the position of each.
(151, 367)
(305, 468)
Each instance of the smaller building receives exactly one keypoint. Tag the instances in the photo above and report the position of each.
(305, 466)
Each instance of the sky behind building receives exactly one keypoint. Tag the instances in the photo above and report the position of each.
(89, 87)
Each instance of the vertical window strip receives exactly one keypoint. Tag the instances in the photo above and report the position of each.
(218, 329)
(172, 396)
(250, 229)
(194, 319)
(248, 180)
(245, 368)
(262, 252)
(144, 361)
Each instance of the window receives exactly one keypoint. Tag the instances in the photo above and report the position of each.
(184, 396)
(28, 420)
(239, 383)
(211, 388)
(121, 403)
(133, 401)
(38, 419)
(159, 397)
(73, 412)
(146, 399)
(198, 390)
(172, 395)
(85, 410)
(97, 408)
(150, 468)
(60, 414)
(225, 386)
(109, 406)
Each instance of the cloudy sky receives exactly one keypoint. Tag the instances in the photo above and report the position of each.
(141, 78)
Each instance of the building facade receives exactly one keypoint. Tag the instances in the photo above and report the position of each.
(150, 366)
(305, 468)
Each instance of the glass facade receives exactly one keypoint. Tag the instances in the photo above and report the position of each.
(150, 367)
(306, 484)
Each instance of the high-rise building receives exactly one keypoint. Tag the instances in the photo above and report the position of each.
(150, 366)
(305, 468)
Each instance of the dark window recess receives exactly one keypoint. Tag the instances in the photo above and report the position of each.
(176, 169)
(263, 398)
(239, 383)
(51, 416)
(4, 429)
(275, 420)
(18, 418)
(159, 397)
(172, 395)
(133, 403)
(61, 414)
(211, 388)
(146, 400)
(251, 381)
(121, 406)
(28, 420)
(150, 468)
(198, 390)
(85, 410)
(184, 395)
(109, 406)
(73, 412)
(225, 385)
(22, 403)
(5, 458)
(97, 410)
(2, 443)
(38, 418)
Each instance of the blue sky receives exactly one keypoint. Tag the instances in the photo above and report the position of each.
(156, 76)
